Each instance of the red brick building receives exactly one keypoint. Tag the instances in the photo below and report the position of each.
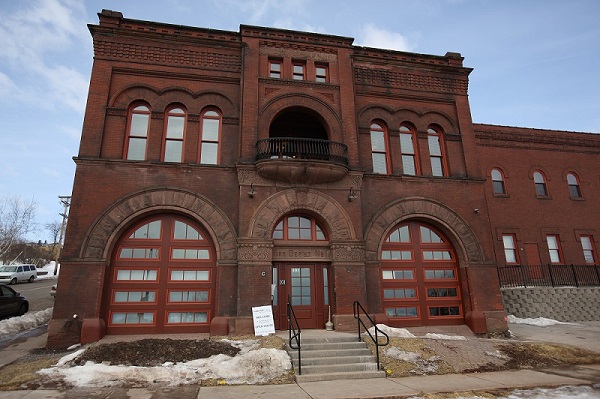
(224, 170)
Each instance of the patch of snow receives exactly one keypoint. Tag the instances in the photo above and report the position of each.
(28, 321)
(243, 346)
(49, 269)
(445, 337)
(497, 354)
(392, 332)
(253, 367)
(566, 392)
(396, 353)
(423, 366)
(539, 321)
(404, 333)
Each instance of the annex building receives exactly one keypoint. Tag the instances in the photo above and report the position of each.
(221, 170)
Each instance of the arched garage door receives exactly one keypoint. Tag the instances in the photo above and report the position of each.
(161, 279)
(419, 277)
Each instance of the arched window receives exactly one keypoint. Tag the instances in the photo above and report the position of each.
(210, 137)
(138, 123)
(498, 182)
(298, 228)
(174, 133)
(436, 152)
(573, 183)
(379, 153)
(408, 147)
(540, 184)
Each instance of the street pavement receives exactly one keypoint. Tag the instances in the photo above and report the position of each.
(585, 335)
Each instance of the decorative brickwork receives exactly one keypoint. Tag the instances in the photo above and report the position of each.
(112, 222)
(167, 55)
(265, 217)
(409, 208)
(385, 78)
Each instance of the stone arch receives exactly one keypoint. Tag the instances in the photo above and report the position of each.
(270, 211)
(111, 223)
(454, 227)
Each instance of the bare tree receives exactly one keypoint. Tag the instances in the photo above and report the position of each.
(17, 218)
(54, 229)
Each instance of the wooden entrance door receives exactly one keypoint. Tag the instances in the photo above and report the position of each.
(306, 285)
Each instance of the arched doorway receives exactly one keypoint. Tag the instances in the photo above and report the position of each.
(302, 279)
(298, 122)
(161, 279)
(420, 277)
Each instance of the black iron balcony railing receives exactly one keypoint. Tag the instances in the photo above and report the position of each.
(549, 276)
(302, 148)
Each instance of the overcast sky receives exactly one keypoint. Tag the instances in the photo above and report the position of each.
(536, 64)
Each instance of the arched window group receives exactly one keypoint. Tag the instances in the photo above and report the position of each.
(175, 135)
(540, 184)
(382, 141)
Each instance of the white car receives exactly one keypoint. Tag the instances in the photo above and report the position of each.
(11, 274)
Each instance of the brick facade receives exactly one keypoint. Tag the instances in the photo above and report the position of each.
(240, 199)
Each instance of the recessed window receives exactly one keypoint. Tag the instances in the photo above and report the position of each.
(379, 148)
(554, 248)
(541, 190)
(401, 312)
(498, 182)
(321, 73)
(137, 133)
(174, 132)
(408, 149)
(436, 152)
(275, 69)
(573, 183)
(299, 71)
(211, 133)
(510, 248)
(589, 251)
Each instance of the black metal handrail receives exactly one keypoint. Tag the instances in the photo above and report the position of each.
(301, 148)
(356, 308)
(549, 275)
(295, 337)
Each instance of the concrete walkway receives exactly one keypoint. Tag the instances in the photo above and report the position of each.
(388, 388)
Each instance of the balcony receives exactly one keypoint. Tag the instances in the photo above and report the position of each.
(301, 160)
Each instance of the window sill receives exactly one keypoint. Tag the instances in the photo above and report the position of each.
(501, 195)
(577, 199)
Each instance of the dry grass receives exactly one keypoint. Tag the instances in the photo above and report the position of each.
(401, 368)
(23, 372)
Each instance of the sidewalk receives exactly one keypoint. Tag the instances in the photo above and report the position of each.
(388, 388)
(585, 335)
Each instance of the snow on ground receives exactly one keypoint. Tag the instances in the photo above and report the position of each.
(404, 333)
(538, 321)
(251, 366)
(28, 321)
(566, 392)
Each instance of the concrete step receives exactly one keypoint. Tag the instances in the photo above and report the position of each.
(339, 376)
(338, 368)
(306, 354)
(316, 361)
(316, 346)
(334, 357)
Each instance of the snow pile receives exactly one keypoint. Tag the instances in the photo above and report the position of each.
(392, 332)
(404, 333)
(539, 321)
(251, 366)
(423, 366)
(445, 337)
(28, 321)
